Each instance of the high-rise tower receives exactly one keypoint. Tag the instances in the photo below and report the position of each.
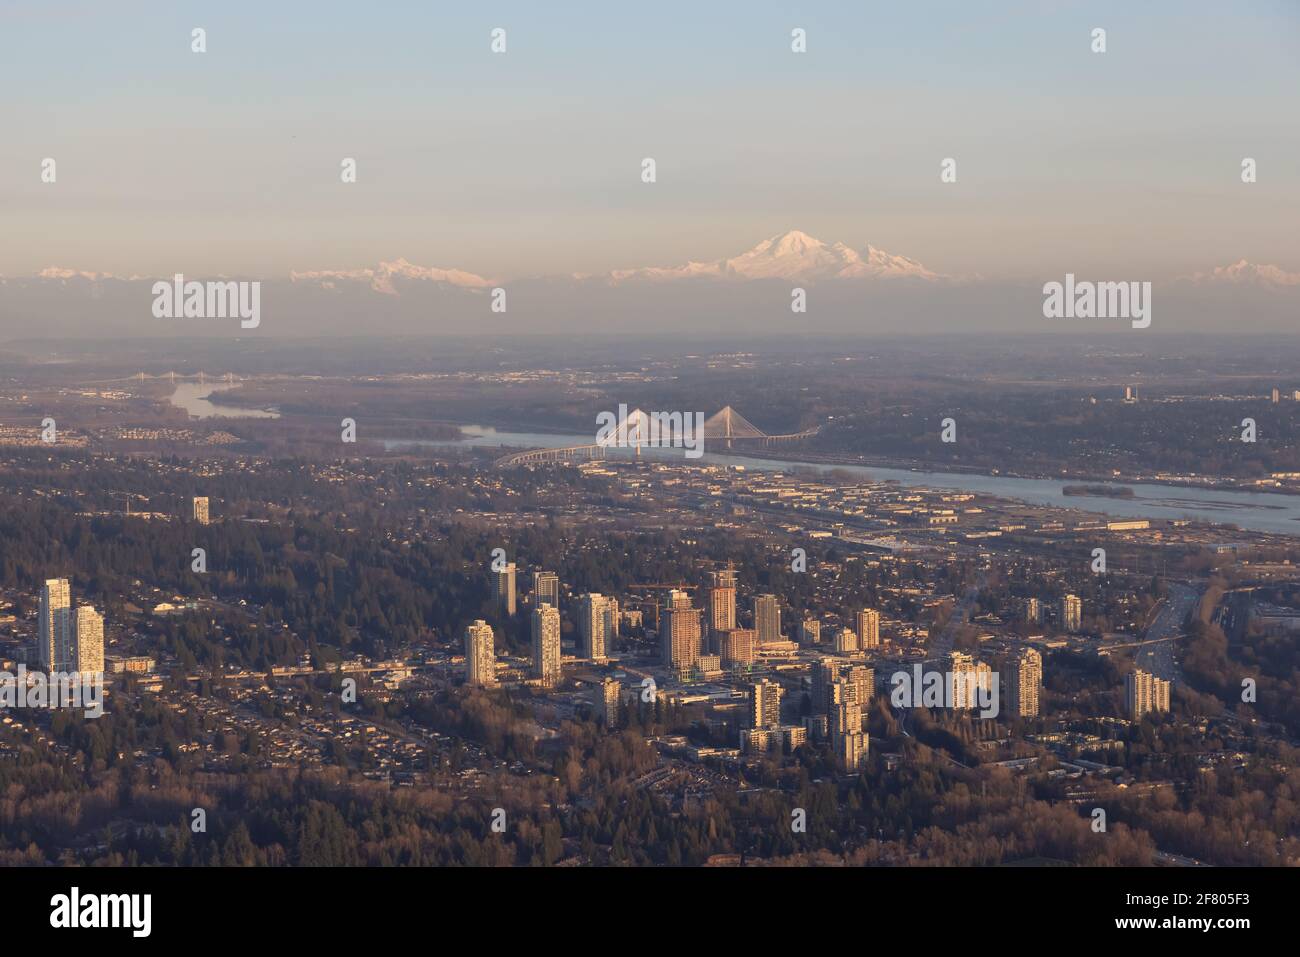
(868, 628)
(54, 643)
(546, 589)
(505, 590)
(88, 641)
(679, 632)
(546, 645)
(767, 619)
(480, 654)
(597, 626)
(1026, 680)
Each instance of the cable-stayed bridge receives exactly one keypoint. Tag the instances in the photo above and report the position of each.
(201, 377)
(640, 429)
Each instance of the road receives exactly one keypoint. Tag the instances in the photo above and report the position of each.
(941, 647)
(1159, 651)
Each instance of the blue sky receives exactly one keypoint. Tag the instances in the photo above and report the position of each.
(528, 162)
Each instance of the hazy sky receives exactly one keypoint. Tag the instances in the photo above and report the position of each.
(529, 162)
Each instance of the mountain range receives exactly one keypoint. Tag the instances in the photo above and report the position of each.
(849, 291)
(792, 256)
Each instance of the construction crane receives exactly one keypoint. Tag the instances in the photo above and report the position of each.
(648, 603)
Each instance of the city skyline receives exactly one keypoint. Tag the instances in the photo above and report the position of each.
(720, 625)
(727, 436)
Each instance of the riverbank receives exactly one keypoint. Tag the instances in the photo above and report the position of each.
(1218, 484)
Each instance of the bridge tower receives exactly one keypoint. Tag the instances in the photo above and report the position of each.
(728, 424)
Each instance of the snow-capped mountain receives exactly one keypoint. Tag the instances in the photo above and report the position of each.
(1245, 272)
(791, 255)
(65, 278)
(381, 277)
(58, 272)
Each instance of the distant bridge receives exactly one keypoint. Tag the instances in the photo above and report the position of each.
(657, 430)
(201, 377)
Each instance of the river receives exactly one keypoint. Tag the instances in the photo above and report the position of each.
(1256, 511)
(196, 399)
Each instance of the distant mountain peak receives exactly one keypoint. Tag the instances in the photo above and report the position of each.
(59, 272)
(1246, 272)
(380, 278)
(795, 242)
(792, 255)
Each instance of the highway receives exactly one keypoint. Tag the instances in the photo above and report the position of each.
(1159, 652)
(941, 647)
